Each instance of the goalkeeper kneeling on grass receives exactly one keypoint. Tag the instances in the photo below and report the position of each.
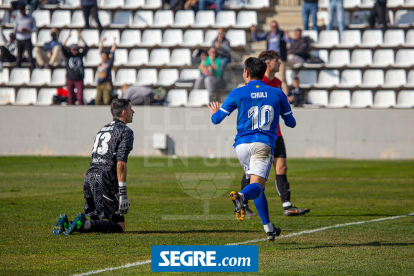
(104, 186)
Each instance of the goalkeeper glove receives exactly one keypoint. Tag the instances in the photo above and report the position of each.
(123, 199)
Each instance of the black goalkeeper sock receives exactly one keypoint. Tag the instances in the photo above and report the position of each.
(244, 183)
(282, 186)
(105, 226)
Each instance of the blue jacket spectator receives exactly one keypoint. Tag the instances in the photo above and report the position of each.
(273, 37)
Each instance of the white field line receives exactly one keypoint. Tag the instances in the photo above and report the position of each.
(257, 240)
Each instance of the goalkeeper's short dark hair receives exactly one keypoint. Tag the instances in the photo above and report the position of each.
(255, 67)
(118, 106)
(268, 55)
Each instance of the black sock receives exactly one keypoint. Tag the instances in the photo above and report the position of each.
(105, 226)
(282, 186)
(244, 183)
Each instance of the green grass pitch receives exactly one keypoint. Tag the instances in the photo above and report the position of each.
(35, 190)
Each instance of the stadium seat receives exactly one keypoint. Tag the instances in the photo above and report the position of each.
(7, 95)
(152, 4)
(42, 18)
(78, 20)
(290, 75)
(60, 19)
(372, 78)
(209, 37)
(349, 4)
(4, 76)
(350, 38)
(45, 96)
(323, 4)
(405, 58)
(91, 37)
(89, 95)
(327, 79)
(138, 57)
(130, 38)
(26, 96)
(151, 38)
(327, 39)
(121, 19)
(104, 18)
(307, 78)
(134, 4)
(317, 98)
(395, 3)
(180, 57)
(409, 39)
(371, 38)
(204, 19)
(58, 77)
(393, 38)
(361, 58)
(198, 98)
(361, 99)
(109, 35)
(19, 76)
(339, 99)
(409, 3)
(188, 77)
(89, 78)
(225, 19)
(312, 34)
(142, 19)
(359, 19)
(163, 18)
(338, 58)
(121, 57)
(404, 18)
(350, 78)
(93, 58)
(4, 17)
(405, 99)
(367, 3)
(167, 77)
(322, 54)
(176, 97)
(111, 4)
(40, 77)
(184, 19)
(257, 4)
(236, 37)
(125, 76)
(172, 37)
(192, 38)
(147, 77)
(159, 57)
(42, 37)
(384, 99)
(245, 19)
(383, 58)
(410, 79)
(70, 4)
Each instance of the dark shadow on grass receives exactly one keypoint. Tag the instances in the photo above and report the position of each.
(191, 231)
(355, 245)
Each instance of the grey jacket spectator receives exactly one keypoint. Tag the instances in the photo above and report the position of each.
(139, 95)
(23, 28)
(224, 50)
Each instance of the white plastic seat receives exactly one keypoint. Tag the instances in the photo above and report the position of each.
(19, 76)
(405, 99)
(71, 4)
(317, 98)
(192, 38)
(395, 3)
(130, 38)
(176, 97)
(142, 19)
(349, 4)
(167, 77)
(322, 54)
(125, 76)
(42, 37)
(204, 19)
(328, 78)
(409, 38)
(133, 4)
(339, 58)
(361, 58)
(138, 57)
(359, 19)
(89, 95)
(409, 3)
(7, 95)
(383, 58)
(361, 99)
(350, 78)
(384, 99)
(26, 96)
(121, 57)
(245, 19)
(111, 4)
(146, 77)
(393, 38)
(60, 19)
(405, 58)
(93, 58)
(395, 78)
(257, 4)
(78, 20)
(290, 75)
(91, 37)
(372, 38)
(327, 39)
(184, 19)
(404, 18)
(159, 57)
(40, 77)
(42, 18)
(180, 57)
(372, 78)
(163, 18)
(339, 99)
(410, 79)
(312, 34)
(209, 37)
(4, 76)
(110, 35)
(198, 98)
(151, 37)
(350, 38)
(58, 77)
(307, 78)
(45, 96)
(236, 37)
(89, 78)
(172, 37)
(104, 18)
(152, 4)
(225, 19)
(73, 39)
(323, 4)
(367, 3)
(188, 77)
(121, 19)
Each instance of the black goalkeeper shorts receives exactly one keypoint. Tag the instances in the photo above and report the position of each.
(280, 149)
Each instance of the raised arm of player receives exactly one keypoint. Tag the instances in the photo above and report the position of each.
(219, 113)
(286, 111)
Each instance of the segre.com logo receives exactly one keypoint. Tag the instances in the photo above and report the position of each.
(205, 258)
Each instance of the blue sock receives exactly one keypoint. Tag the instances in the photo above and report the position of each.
(262, 208)
(252, 191)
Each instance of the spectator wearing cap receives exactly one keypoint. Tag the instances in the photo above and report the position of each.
(210, 71)
(74, 69)
(223, 50)
(104, 87)
(51, 53)
(8, 52)
(90, 7)
(23, 28)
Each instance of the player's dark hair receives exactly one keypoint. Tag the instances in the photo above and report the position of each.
(296, 78)
(118, 106)
(255, 67)
(268, 55)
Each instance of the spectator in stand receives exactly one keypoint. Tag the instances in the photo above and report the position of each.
(51, 53)
(171, 4)
(299, 49)
(104, 87)
(191, 5)
(23, 28)
(337, 7)
(203, 3)
(74, 68)
(210, 69)
(296, 94)
(139, 95)
(310, 8)
(90, 7)
(223, 50)
(8, 52)
(379, 14)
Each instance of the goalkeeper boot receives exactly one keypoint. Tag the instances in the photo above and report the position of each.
(294, 211)
(77, 225)
(61, 225)
(249, 213)
(239, 207)
(271, 236)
